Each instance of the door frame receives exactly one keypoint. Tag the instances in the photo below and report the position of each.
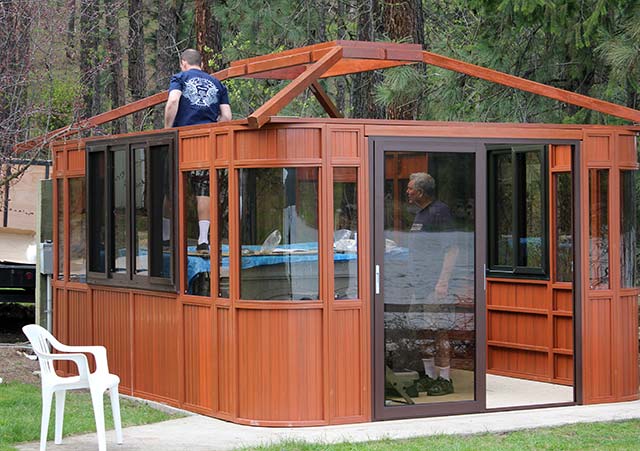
(377, 148)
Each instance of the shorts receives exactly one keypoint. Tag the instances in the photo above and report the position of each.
(199, 180)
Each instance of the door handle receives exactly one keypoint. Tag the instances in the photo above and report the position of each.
(377, 279)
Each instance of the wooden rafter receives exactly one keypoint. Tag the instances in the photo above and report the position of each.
(306, 65)
(274, 105)
(324, 100)
(523, 84)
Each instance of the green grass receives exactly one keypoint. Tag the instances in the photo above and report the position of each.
(21, 406)
(624, 435)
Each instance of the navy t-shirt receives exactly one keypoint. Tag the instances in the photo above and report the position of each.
(430, 238)
(201, 97)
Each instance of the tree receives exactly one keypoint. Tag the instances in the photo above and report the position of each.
(114, 60)
(136, 64)
(208, 39)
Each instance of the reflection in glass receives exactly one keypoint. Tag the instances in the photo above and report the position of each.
(503, 205)
(223, 233)
(141, 215)
(97, 224)
(530, 215)
(564, 227)
(77, 230)
(279, 233)
(599, 229)
(196, 205)
(60, 185)
(159, 217)
(345, 233)
(119, 212)
(628, 229)
(428, 282)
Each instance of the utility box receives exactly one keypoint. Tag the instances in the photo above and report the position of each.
(46, 257)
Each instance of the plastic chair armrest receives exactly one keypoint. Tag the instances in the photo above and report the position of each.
(98, 352)
(79, 359)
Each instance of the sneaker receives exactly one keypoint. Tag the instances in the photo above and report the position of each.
(425, 383)
(440, 387)
(202, 248)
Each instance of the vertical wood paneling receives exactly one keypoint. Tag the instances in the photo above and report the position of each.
(278, 144)
(346, 375)
(520, 328)
(626, 351)
(75, 161)
(280, 365)
(597, 343)
(195, 149)
(560, 158)
(112, 329)
(563, 333)
(563, 368)
(198, 356)
(224, 361)
(626, 152)
(78, 318)
(597, 149)
(344, 143)
(222, 146)
(527, 364)
(156, 336)
(61, 323)
(563, 301)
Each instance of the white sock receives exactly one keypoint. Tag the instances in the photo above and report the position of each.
(166, 229)
(429, 367)
(443, 372)
(204, 231)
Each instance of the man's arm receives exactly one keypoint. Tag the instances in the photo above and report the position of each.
(171, 108)
(442, 287)
(225, 113)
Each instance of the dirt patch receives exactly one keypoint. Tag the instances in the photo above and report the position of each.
(15, 367)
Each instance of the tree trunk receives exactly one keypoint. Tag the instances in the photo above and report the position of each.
(401, 25)
(137, 72)
(89, 71)
(208, 39)
(167, 53)
(362, 96)
(115, 57)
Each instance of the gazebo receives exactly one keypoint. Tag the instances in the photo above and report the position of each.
(308, 309)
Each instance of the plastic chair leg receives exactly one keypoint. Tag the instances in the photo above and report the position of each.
(97, 399)
(115, 407)
(47, 397)
(60, 397)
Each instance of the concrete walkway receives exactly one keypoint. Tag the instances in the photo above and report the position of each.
(202, 433)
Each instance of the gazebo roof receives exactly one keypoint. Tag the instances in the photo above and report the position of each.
(304, 66)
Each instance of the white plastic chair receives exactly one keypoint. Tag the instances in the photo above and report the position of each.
(97, 382)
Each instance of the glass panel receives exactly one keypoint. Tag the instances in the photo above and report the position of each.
(77, 230)
(503, 205)
(60, 184)
(223, 233)
(564, 227)
(119, 212)
(428, 280)
(530, 212)
(628, 228)
(599, 229)
(345, 235)
(97, 226)
(160, 211)
(141, 214)
(196, 211)
(279, 233)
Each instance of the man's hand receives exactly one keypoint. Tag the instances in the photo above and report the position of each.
(171, 108)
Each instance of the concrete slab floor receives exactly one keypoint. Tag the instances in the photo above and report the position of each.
(200, 433)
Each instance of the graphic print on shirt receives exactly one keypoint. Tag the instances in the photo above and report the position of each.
(201, 92)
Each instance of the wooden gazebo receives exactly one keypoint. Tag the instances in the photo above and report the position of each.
(305, 312)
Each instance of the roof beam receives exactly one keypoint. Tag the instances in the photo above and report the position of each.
(324, 100)
(522, 84)
(274, 105)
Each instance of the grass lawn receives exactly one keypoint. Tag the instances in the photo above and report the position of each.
(21, 405)
(624, 435)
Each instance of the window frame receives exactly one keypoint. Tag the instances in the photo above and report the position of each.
(515, 270)
(108, 148)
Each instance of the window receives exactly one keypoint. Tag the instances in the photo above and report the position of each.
(279, 233)
(517, 210)
(223, 233)
(60, 207)
(130, 208)
(77, 230)
(564, 226)
(345, 233)
(628, 229)
(599, 229)
(197, 205)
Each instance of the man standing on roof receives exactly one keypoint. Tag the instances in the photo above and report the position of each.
(196, 97)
